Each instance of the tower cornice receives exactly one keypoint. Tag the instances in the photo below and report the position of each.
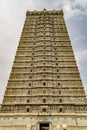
(44, 11)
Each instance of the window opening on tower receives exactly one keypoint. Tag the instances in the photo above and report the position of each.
(28, 100)
(44, 84)
(44, 100)
(28, 109)
(60, 109)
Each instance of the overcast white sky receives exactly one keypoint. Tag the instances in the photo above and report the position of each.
(12, 16)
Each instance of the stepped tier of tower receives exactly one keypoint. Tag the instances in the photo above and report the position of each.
(44, 75)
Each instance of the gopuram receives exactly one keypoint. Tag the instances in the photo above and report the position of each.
(44, 90)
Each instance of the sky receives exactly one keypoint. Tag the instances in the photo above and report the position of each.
(12, 17)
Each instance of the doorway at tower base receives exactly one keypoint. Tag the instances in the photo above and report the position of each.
(43, 122)
(44, 126)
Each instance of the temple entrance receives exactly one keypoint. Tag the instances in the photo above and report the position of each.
(44, 126)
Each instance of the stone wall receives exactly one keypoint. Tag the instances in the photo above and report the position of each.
(31, 122)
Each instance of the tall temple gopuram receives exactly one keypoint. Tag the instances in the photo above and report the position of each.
(44, 90)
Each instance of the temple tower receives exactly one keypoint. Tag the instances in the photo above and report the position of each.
(44, 81)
